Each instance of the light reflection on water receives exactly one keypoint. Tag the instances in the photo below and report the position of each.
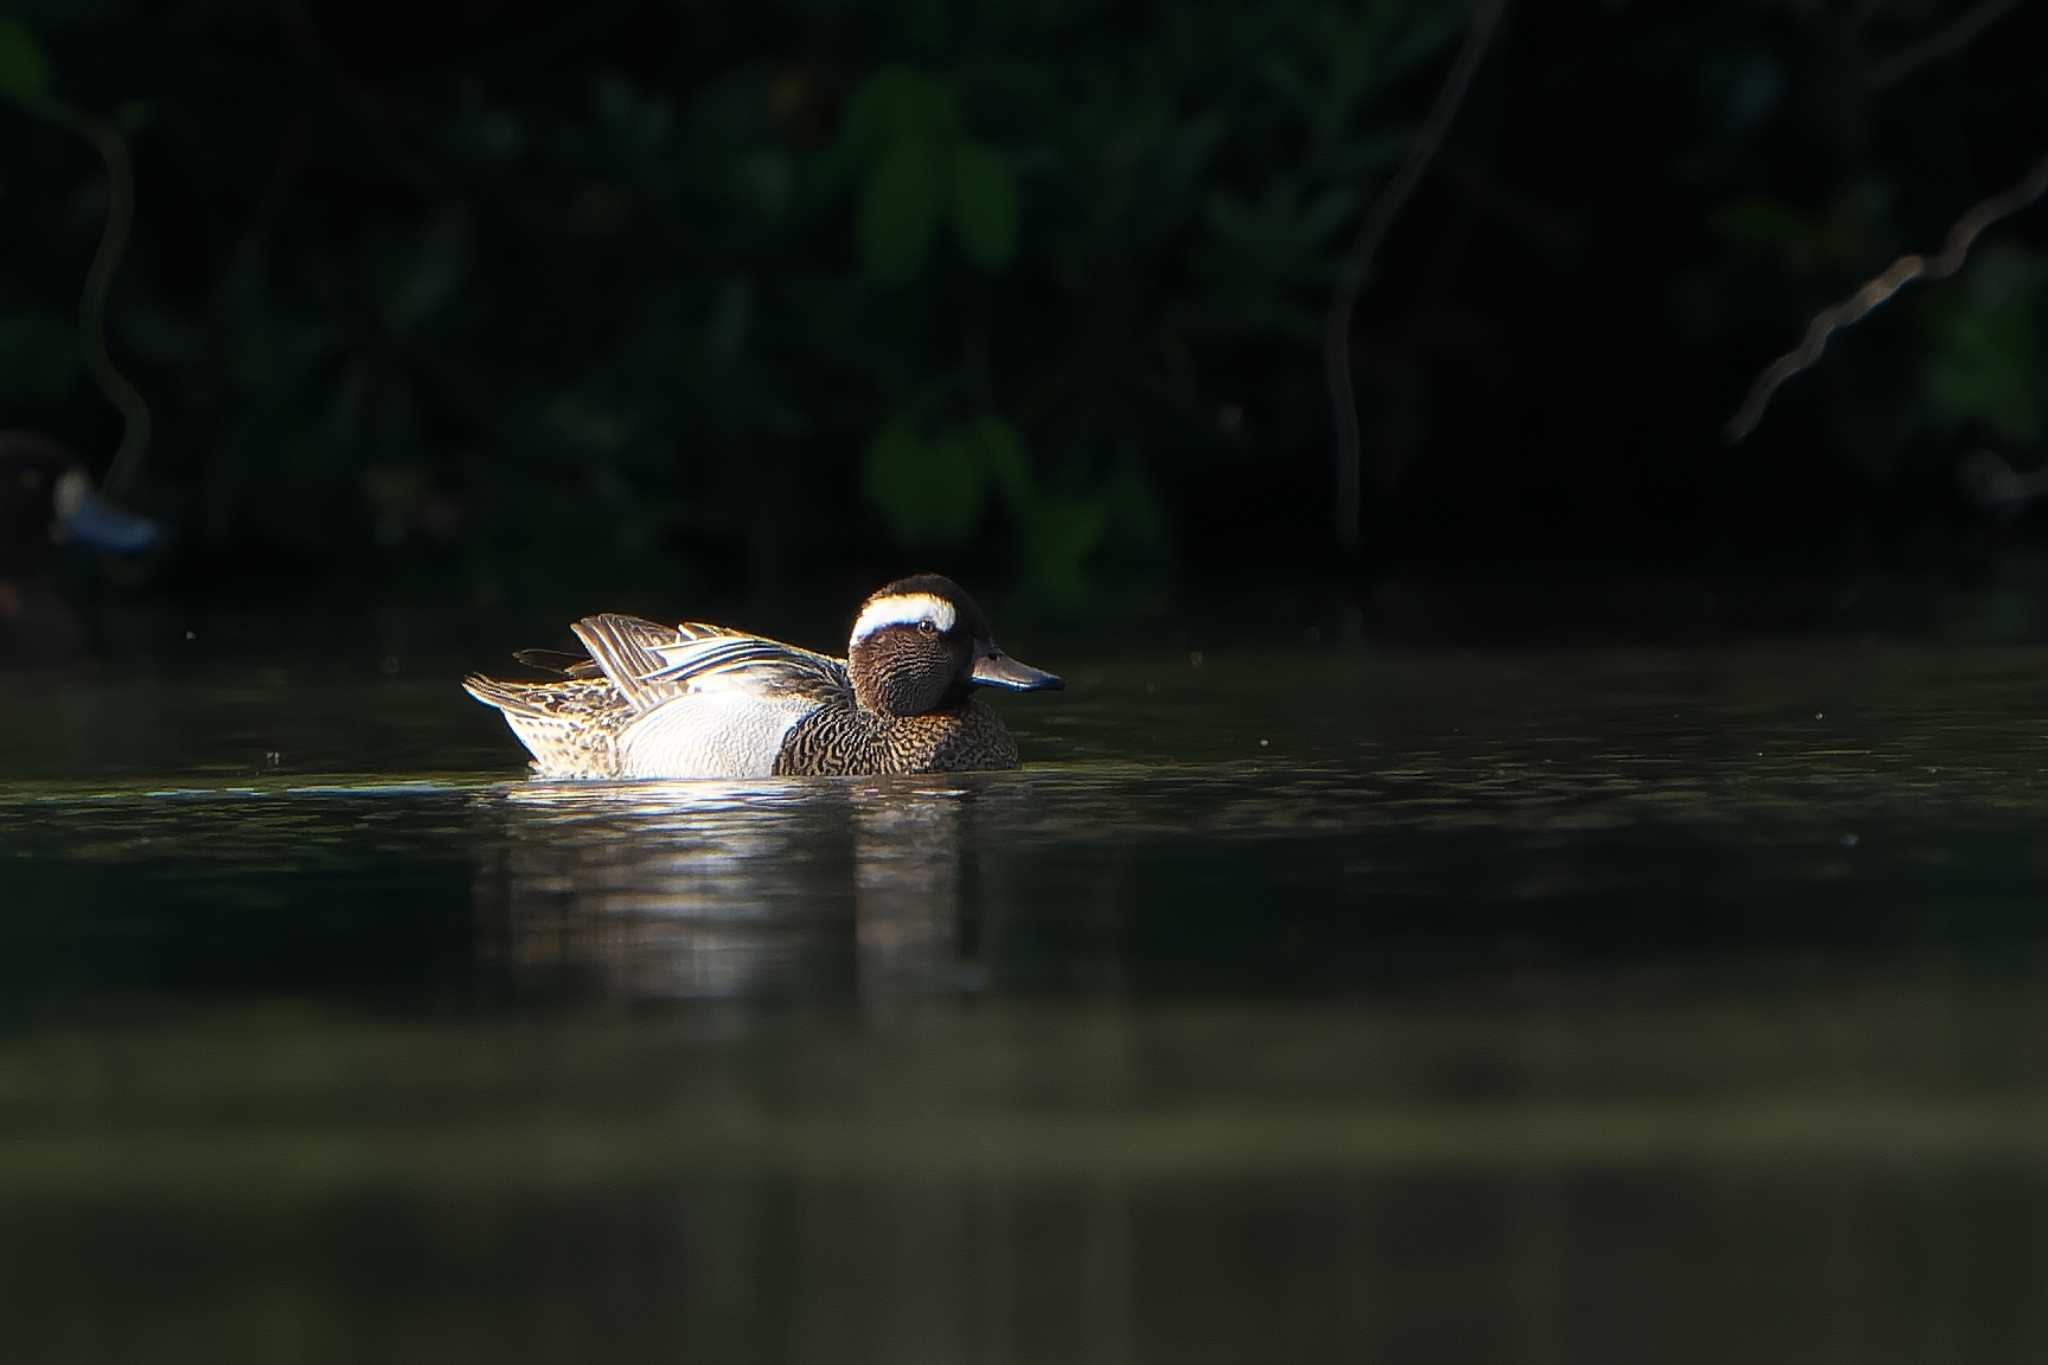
(1572, 1007)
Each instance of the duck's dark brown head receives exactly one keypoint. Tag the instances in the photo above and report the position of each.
(920, 645)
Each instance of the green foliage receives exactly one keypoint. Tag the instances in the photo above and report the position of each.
(24, 67)
(901, 136)
(547, 304)
(934, 491)
(1988, 347)
(1071, 538)
(984, 206)
(970, 290)
(1842, 236)
(928, 490)
(1977, 342)
(899, 211)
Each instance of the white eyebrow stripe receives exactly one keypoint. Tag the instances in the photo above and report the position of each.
(903, 609)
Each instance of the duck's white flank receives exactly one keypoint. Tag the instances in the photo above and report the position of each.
(711, 731)
(903, 609)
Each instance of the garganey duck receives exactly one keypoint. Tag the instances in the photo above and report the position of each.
(654, 701)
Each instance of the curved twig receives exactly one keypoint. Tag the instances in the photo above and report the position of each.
(1358, 263)
(1879, 290)
(112, 146)
(92, 306)
(1939, 44)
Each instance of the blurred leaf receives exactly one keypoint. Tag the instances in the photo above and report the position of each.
(638, 119)
(1768, 224)
(1266, 264)
(1110, 526)
(894, 102)
(1840, 237)
(24, 66)
(899, 211)
(132, 116)
(1139, 516)
(767, 181)
(422, 276)
(1058, 542)
(984, 206)
(588, 424)
(1286, 80)
(1986, 353)
(926, 107)
(928, 492)
(479, 130)
(1001, 447)
(870, 117)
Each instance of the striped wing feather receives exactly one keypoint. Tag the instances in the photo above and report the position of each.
(651, 663)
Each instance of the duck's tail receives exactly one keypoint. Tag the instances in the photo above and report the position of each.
(569, 725)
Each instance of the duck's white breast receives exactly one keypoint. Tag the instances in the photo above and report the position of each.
(711, 732)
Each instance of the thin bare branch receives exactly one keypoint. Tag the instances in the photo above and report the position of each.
(1941, 43)
(112, 144)
(1379, 220)
(1875, 292)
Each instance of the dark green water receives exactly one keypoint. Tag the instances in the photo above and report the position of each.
(1299, 1005)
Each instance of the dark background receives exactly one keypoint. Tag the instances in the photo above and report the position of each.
(629, 305)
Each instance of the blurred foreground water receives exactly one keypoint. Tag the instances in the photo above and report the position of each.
(1323, 1003)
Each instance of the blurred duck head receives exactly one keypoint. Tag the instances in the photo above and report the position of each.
(47, 500)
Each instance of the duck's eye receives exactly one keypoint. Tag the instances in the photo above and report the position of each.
(928, 627)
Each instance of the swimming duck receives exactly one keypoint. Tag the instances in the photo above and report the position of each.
(46, 499)
(706, 701)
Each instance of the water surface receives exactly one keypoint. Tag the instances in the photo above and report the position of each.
(1294, 1003)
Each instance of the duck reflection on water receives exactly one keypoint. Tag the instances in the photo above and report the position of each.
(715, 889)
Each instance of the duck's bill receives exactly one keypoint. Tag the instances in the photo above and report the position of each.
(99, 523)
(1000, 670)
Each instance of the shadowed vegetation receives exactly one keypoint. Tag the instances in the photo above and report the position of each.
(520, 303)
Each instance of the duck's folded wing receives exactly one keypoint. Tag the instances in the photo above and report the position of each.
(628, 628)
(652, 664)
